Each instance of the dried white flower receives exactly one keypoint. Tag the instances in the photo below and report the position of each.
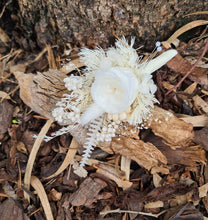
(73, 82)
(117, 87)
(113, 91)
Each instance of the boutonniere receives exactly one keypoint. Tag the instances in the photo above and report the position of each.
(116, 89)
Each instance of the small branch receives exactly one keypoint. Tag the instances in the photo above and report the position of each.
(2, 12)
(5, 77)
(132, 212)
(192, 68)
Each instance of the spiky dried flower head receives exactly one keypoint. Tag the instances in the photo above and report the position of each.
(116, 88)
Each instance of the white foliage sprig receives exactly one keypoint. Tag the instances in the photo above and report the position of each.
(91, 142)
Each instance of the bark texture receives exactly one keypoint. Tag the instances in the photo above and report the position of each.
(96, 22)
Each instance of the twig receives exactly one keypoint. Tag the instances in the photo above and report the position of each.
(9, 74)
(2, 11)
(8, 95)
(37, 210)
(132, 212)
(180, 212)
(192, 68)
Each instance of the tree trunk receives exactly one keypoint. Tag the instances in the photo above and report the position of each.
(91, 23)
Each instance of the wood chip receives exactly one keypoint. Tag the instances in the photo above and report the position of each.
(153, 205)
(125, 166)
(190, 90)
(174, 131)
(112, 174)
(145, 154)
(41, 92)
(203, 190)
(196, 121)
(71, 66)
(201, 103)
(87, 192)
(6, 111)
(4, 37)
(51, 59)
(54, 195)
(201, 137)
(10, 210)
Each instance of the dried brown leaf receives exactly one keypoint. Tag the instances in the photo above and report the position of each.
(37, 185)
(187, 156)
(33, 154)
(170, 191)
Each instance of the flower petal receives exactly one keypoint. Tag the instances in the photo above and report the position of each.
(94, 111)
(114, 89)
(158, 62)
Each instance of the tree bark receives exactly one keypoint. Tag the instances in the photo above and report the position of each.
(91, 23)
